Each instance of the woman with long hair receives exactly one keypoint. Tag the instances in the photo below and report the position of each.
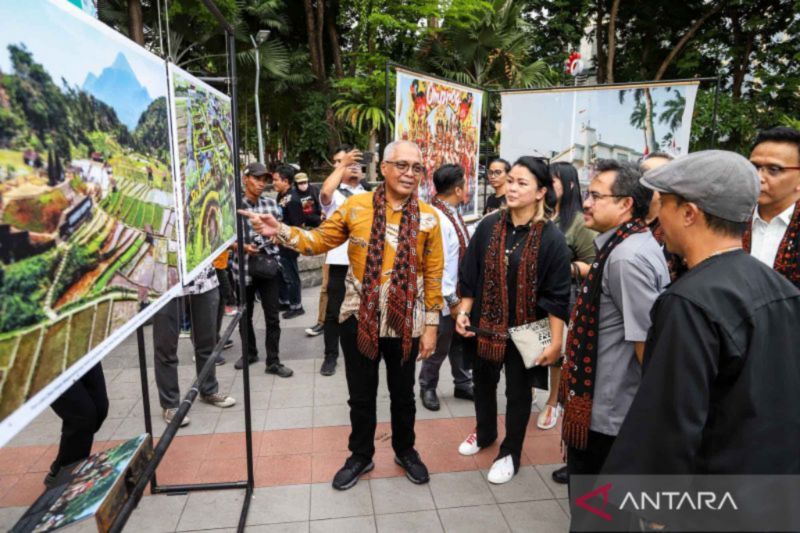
(514, 272)
(568, 216)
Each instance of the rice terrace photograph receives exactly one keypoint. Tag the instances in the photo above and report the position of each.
(87, 211)
(203, 155)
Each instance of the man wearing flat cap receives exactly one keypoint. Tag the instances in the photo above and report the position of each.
(721, 366)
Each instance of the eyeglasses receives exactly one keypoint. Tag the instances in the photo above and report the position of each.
(496, 172)
(594, 196)
(403, 166)
(773, 170)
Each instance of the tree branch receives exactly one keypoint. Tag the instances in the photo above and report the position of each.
(686, 38)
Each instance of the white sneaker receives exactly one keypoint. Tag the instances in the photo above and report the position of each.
(219, 400)
(470, 445)
(502, 470)
(548, 418)
(169, 414)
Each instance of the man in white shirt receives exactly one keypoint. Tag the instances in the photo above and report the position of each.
(774, 238)
(450, 187)
(341, 184)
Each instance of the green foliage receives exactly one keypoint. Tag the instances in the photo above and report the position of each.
(151, 135)
(23, 286)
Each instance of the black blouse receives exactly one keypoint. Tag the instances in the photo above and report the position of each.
(553, 272)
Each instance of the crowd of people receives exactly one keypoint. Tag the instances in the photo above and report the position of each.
(670, 290)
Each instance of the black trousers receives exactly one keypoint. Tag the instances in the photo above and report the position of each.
(226, 292)
(290, 289)
(519, 396)
(336, 276)
(268, 293)
(590, 461)
(362, 385)
(82, 408)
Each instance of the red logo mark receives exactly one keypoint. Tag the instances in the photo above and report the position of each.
(581, 501)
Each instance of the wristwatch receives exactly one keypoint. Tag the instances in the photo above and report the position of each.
(463, 313)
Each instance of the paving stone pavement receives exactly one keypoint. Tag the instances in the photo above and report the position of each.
(300, 430)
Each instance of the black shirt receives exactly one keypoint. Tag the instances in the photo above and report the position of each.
(721, 375)
(493, 203)
(309, 203)
(553, 271)
(292, 210)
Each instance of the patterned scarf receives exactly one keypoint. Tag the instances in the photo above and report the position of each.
(458, 223)
(787, 261)
(577, 374)
(494, 298)
(403, 281)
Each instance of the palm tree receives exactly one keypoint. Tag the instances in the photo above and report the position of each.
(642, 115)
(492, 51)
(672, 115)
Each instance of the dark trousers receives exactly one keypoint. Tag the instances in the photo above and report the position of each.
(290, 288)
(226, 293)
(590, 461)
(205, 314)
(336, 276)
(268, 294)
(450, 345)
(519, 396)
(82, 408)
(362, 385)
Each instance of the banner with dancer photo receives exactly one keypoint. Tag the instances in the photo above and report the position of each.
(444, 119)
(87, 206)
(583, 124)
(202, 153)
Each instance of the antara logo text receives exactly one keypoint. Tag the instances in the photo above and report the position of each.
(676, 501)
(658, 501)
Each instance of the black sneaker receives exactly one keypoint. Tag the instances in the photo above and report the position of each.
(316, 329)
(279, 370)
(293, 313)
(416, 471)
(220, 360)
(228, 344)
(238, 365)
(328, 367)
(348, 475)
(561, 475)
(429, 399)
(465, 394)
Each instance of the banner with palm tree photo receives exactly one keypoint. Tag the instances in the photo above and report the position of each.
(583, 124)
(444, 119)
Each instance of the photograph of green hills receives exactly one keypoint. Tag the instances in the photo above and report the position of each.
(87, 207)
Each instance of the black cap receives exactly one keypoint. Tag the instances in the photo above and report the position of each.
(255, 169)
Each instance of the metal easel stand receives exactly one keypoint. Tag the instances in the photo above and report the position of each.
(149, 474)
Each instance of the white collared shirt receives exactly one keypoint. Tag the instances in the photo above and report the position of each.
(767, 237)
(451, 259)
(338, 256)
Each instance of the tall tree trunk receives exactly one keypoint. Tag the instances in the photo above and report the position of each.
(598, 38)
(741, 67)
(649, 127)
(320, 34)
(612, 41)
(135, 23)
(685, 39)
(333, 35)
(311, 29)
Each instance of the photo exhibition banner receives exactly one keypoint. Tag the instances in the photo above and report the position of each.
(444, 119)
(582, 125)
(87, 206)
(202, 154)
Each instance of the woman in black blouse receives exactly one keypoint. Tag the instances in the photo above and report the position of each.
(516, 270)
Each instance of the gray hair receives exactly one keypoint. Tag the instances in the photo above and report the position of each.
(388, 152)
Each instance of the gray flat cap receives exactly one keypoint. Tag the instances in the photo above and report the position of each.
(723, 184)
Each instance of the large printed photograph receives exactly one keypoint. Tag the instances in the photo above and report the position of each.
(87, 210)
(584, 125)
(203, 155)
(444, 119)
